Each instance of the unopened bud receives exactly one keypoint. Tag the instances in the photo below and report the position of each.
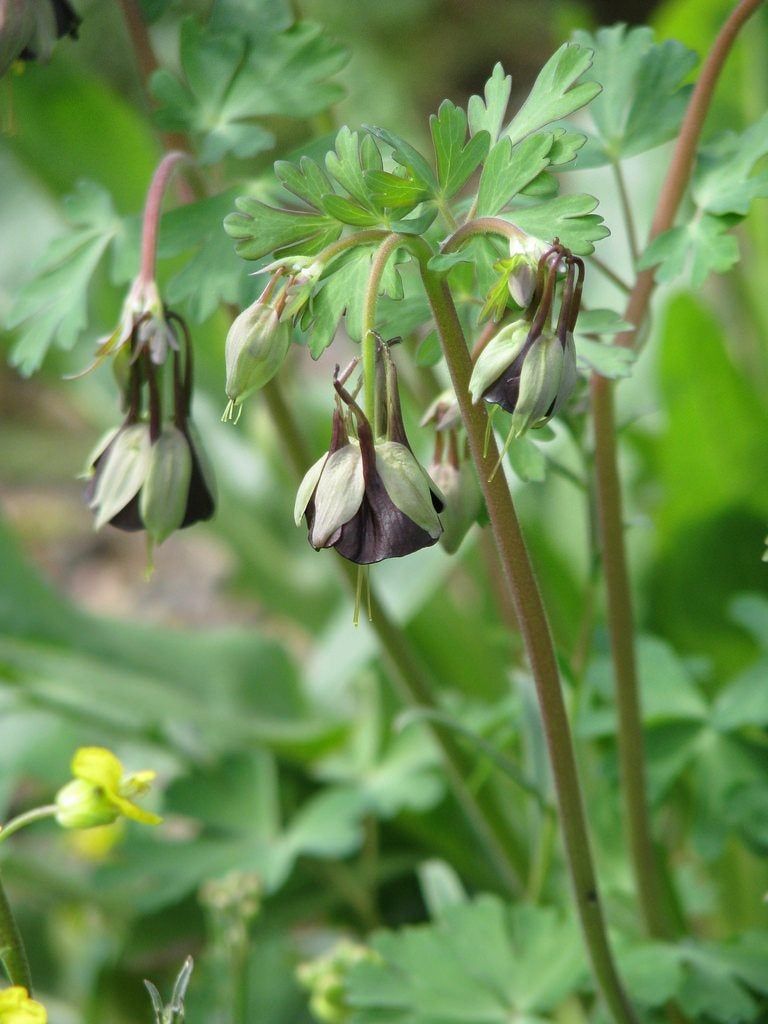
(164, 495)
(257, 344)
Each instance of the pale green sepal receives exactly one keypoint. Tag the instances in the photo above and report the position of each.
(256, 346)
(539, 383)
(80, 804)
(96, 452)
(307, 487)
(165, 493)
(339, 493)
(569, 374)
(497, 355)
(125, 470)
(407, 485)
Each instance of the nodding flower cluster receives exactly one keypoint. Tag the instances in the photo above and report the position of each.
(29, 29)
(368, 496)
(528, 368)
(151, 473)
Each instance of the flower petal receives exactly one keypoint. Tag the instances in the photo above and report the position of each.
(134, 812)
(407, 485)
(338, 495)
(307, 488)
(98, 766)
(497, 355)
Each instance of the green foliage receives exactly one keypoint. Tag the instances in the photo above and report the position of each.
(723, 189)
(229, 81)
(53, 307)
(455, 158)
(643, 96)
(477, 961)
(556, 93)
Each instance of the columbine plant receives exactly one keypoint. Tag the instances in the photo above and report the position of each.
(151, 473)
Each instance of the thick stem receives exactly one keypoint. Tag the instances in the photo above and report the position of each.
(151, 222)
(378, 266)
(12, 953)
(412, 681)
(610, 506)
(481, 226)
(535, 630)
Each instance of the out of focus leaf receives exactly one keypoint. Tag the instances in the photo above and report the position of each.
(643, 98)
(229, 81)
(53, 307)
(478, 961)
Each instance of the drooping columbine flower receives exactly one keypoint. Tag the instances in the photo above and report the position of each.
(147, 475)
(16, 1007)
(528, 369)
(101, 792)
(369, 500)
(257, 343)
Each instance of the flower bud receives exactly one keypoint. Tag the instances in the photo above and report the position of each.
(500, 353)
(83, 805)
(165, 491)
(525, 252)
(256, 346)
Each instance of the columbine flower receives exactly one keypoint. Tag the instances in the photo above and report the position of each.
(16, 1007)
(257, 343)
(101, 792)
(369, 500)
(527, 369)
(458, 483)
(148, 476)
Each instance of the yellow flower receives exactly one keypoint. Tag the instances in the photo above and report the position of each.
(100, 792)
(17, 1008)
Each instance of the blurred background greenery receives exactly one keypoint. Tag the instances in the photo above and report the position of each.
(236, 670)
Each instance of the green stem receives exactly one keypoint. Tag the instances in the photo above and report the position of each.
(367, 237)
(414, 686)
(12, 953)
(534, 627)
(626, 211)
(378, 266)
(609, 497)
(28, 818)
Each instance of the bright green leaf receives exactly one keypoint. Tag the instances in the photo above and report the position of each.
(406, 156)
(456, 158)
(569, 218)
(259, 229)
(488, 114)
(349, 212)
(556, 93)
(509, 169)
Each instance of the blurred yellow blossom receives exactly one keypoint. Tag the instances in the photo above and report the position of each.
(17, 1008)
(101, 792)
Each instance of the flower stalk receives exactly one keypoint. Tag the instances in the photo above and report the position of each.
(12, 953)
(152, 209)
(534, 628)
(609, 495)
